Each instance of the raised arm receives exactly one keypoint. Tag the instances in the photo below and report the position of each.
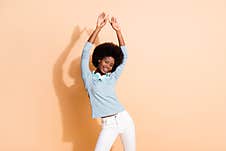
(101, 21)
(115, 25)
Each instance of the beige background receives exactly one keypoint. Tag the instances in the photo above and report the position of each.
(174, 83)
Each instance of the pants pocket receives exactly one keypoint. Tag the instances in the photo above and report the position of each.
(109, 122)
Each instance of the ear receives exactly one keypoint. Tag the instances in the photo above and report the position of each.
(99, 61)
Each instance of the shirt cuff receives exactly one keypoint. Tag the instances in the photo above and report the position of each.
(88, 45)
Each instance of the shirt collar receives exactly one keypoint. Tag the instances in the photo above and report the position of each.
(98, 76)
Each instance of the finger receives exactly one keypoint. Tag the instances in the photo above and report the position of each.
(112, 19)
(106, 16)
(105, 21)
(109, 20)
(116, 20)
(102, 15)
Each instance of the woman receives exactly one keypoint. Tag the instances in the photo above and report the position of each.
(109, 60)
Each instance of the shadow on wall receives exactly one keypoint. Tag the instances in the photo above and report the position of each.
(78, 126)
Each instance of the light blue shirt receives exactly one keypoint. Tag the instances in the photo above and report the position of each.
(101, 89)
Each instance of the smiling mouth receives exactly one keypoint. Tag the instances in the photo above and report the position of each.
(105, 70)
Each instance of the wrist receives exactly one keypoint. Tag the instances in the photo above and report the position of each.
(98, 28)
(118, 31)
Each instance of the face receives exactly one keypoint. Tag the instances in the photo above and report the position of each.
(106, 64)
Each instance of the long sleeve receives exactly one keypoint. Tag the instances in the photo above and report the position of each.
(116, 74)
(86, 73)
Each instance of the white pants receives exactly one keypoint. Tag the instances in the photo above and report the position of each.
(120, 124)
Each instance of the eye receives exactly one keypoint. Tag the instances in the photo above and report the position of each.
(106, 61)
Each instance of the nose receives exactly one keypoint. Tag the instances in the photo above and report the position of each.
(107, 66)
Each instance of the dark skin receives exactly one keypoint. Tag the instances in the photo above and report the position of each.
(106, 64)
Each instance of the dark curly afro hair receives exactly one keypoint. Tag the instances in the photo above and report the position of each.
(107, 49)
